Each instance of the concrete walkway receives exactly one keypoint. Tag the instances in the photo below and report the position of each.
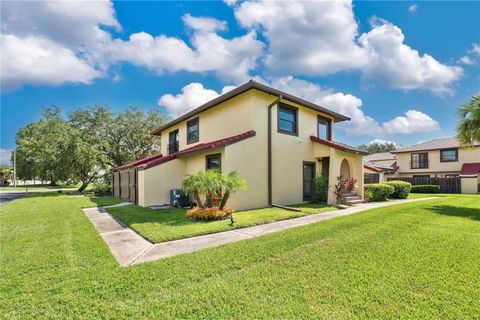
(129, 248)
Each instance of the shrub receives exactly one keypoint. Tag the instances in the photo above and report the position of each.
(425, 189)
(343, 186)
(101, 189)
(207, 214)
(377, 192)
(320, 189)
(402, 189)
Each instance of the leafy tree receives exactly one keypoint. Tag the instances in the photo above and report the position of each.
(468, 129)
(122, 137)
(377, 147)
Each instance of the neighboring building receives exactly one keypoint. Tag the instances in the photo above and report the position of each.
(277, 142)
(439, 158)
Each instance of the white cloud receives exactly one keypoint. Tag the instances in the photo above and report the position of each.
(466, 60)
(475, 48)
(413, 122)
(203, 23)
(310, 38)
(396, 65)
(321, 37)
(192, 96)
(230, 2)
(412, 8)
(5, 156)
(70, 31)
(34, 60)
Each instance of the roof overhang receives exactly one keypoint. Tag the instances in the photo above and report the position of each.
(244, 88)
(338, 145)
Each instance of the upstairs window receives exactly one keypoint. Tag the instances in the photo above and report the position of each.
(192, 131)
(419, 161)
(324, 128)
(287, 120)
(449, 155)
(173, 142)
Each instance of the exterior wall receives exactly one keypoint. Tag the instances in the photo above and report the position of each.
(440, 169)
(470, 185)
(249, 157)
(381, 175)
(227, 119)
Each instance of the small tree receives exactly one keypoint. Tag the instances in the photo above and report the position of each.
(231, 184)
(320, 189)
(468, 129)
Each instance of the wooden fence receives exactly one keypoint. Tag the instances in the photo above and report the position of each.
(447, 185)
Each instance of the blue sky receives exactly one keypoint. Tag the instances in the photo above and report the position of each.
(398, 69)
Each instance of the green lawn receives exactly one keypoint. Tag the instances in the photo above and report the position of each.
(36, 187)
(418, 260)
(170, 224)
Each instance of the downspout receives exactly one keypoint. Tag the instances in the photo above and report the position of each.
(270, 183)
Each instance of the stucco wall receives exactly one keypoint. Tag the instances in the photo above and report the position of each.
(470, 185)
(249, 157)
(227, 119)
(465, 155)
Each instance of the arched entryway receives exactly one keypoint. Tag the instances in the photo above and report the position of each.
(345, 171)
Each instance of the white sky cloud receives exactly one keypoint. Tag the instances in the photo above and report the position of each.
(413, 122)
(330, 42)
(466, 60)
(412, 8)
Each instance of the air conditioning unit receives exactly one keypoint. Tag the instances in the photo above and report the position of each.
(178, 199)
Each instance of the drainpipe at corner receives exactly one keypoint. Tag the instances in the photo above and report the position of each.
(270, 148)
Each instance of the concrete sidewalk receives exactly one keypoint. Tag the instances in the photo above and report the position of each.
(129, 248)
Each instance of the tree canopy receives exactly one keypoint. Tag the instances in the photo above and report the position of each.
(83, 145)
(378, 147)
(468, 128)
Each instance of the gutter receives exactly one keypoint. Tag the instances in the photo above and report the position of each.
(269, 148)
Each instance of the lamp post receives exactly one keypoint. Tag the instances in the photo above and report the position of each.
(14, 168)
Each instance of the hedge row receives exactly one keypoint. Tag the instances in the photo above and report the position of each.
(377, 192)
(425, 189)
(402, 189)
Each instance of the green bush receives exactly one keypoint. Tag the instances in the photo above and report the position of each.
(377, 192)
(402, 189)
(320, 189)
(431, 188)
(101, 189)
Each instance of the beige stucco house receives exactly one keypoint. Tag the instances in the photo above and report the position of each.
(439, 158)
(275, 141)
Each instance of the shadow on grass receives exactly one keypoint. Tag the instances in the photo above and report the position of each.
(471, 213)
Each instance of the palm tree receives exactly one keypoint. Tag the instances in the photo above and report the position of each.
(194, 183)
(468, 128)
(231, 183)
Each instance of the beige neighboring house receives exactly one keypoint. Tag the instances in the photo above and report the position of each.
(275, 141)
(379, 166)
(439, 158)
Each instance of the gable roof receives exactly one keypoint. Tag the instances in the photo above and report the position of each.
(388, 167)
(470, 170)
(435, 144)
(381, 156)
(148, 162)
(244, 88)
(338, 145)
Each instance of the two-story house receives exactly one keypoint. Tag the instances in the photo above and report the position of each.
(275, 141)
(440, 158)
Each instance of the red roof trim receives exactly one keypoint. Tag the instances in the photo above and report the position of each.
(199, 147)
(366, 166)
(137, 162)
(470, 170)
(337, 145)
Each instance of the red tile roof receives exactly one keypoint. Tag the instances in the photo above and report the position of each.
(369, 167)
(337, 145)
(138, 162)
(470, 170)
(199, 147)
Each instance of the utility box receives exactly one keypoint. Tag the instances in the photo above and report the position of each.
(178, 199)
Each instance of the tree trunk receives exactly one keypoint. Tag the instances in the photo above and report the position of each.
(83, 186)
(226, 195)
(197, 198)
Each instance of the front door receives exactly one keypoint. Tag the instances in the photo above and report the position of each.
(308, 176)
